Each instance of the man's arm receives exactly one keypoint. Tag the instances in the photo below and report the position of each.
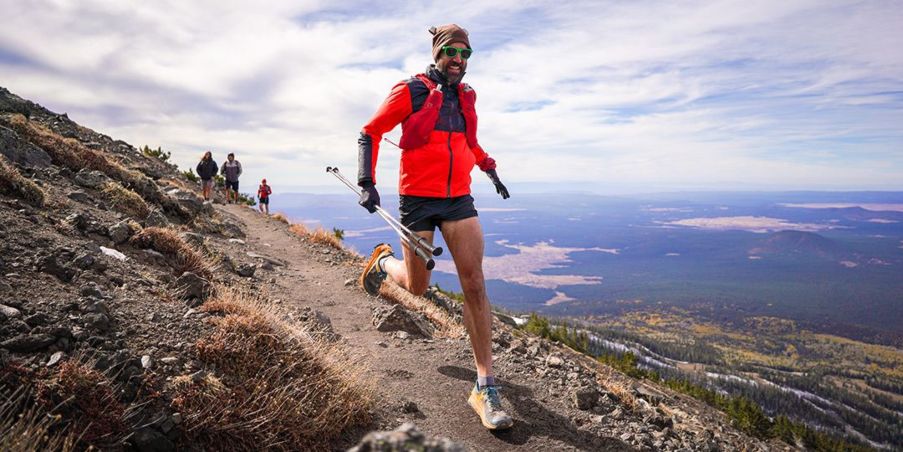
(393, 110)
(239, 169)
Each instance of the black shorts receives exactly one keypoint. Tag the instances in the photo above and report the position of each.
(419, 213)
(264, 200)
(232, 184)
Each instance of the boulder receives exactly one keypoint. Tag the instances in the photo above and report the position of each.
(192, 238)
(156, 219)
(120, 232)
(396, 318)
(56, 265)
(554, 361)
(78, 221)
(405, 438)
(80, 196)
(25, 343)
(191, 286)
(9, 312)
(98, 321)
(585, 398)
(246, 270)
(21, 151)
(90, 179)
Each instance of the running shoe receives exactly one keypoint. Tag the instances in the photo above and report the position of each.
(488, 405)
(374, 275)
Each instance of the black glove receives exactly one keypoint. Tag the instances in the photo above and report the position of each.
(369, 197)
(499, 187)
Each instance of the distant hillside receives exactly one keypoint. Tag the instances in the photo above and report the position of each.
(799, 244)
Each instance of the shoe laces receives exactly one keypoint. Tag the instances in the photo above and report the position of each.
(491, 394)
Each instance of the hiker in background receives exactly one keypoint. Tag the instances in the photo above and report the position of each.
(231, 170)
(207, 171)
(440, 149)
(263, 195)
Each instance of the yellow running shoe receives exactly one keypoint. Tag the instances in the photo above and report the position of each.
(488, 405)
(374, 274)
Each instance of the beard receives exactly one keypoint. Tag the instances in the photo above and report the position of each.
(453, 77)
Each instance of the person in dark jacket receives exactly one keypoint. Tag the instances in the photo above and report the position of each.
(231, 170)
(207, 171)
(439, 151)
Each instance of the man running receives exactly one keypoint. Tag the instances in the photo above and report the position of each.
(440, 149)
(263, 194)
(231, 170)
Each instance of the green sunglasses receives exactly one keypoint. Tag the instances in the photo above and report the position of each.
(451, 52)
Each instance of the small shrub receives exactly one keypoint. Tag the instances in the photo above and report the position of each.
(281, 217)
(247, 199)
(125, 200)
(168, 242)
(325, 237)
(191, 176)
(87, 398)
(279, 388)
(338, 233)
(158, 153)
(298, 229)
(13, 183)
(27, 428)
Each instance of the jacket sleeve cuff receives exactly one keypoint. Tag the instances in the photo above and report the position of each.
(487, 164)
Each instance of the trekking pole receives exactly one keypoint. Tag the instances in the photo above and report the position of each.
(421, 242)
(420, 246)
(400, 228)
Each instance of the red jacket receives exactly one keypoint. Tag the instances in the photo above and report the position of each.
(439, 137)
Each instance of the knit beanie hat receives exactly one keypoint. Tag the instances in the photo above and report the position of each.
(444, 35)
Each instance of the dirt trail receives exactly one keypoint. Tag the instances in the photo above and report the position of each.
(436, 375)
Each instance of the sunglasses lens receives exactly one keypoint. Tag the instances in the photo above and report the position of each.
(451, 52)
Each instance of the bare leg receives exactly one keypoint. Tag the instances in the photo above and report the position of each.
(465, 242)
(410, 273)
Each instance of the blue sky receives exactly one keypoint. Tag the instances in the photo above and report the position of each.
(609, 96)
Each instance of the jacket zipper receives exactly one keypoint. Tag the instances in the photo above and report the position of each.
(451, 160)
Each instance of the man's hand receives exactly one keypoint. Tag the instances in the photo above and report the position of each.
(370, 197)
(499, 187)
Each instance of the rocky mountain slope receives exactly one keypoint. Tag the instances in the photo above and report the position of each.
(141, 318)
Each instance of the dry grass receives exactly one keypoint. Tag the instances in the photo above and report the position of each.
(26, 428)
(279, 216)
(447, 325)
(298, 229)
(617, 384)
(13, 183)
(168, 242)
(324, 237)
(125, 200)
(280, 389)
(76, 156)
(87, 398)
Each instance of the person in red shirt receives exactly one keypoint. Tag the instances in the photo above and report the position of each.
(439, 150)
(263, 196)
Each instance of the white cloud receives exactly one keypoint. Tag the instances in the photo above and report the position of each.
(747, 223)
